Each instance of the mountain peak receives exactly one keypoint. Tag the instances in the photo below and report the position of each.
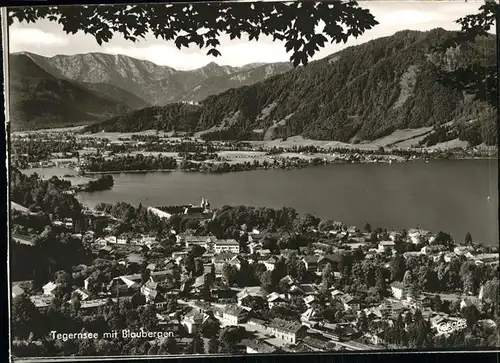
(211, 65)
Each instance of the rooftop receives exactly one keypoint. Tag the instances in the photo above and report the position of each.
(227, 242)
(311, 259)
(260, 346)
(234, 310)
(286, 325)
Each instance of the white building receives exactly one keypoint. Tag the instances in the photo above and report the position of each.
(227, 245)
(234, 315)
(49, 288)
(383, 245)
(271, 263)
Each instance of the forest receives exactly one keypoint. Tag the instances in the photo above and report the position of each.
(103, 182)
(352, 95)
(137, 162)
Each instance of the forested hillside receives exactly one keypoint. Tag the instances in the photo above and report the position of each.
(360, 93)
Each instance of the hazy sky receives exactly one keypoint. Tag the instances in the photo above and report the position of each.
(48, 39)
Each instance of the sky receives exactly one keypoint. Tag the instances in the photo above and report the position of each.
(48, 39)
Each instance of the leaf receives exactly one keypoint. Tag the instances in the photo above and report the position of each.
(214, 52)
(288, 21)
(213, 42)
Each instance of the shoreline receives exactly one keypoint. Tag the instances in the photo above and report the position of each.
(289, 167)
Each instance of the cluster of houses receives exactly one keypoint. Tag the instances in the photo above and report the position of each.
(234, 306)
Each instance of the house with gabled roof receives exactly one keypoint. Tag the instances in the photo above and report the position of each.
(193, 321)
(125, 284)
(399, 290)
(271, 262)
(236, 261)
(234, 314)
(227, 245)
(333, 259)
(275, 299)
(83, 293)
(309, 289)
(350, 302)
(311, 263)
(309, 300)
(16, 291)
(288, 281)
(259, 346)
(159, 276)
(221, 259)
(265, 252)
(309, 316)
(318, 343)
(336, 294)
(50, 288)
(286, 330)
(149, 290)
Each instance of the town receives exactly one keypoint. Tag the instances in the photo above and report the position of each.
(100, 153)
(236, 280)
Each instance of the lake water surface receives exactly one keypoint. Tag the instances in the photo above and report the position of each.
(454, 196)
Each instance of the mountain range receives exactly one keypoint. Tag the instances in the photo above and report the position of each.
(360, 93)
(120, 82)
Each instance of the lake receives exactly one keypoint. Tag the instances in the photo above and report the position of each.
(454, 196)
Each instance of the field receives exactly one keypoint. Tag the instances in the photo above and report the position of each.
(399, 138)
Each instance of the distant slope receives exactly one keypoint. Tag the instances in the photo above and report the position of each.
(39, 100)
(119, 77)
(116, 93)
(363, 92)
(249, 75)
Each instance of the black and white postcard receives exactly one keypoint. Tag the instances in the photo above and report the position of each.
(252, 178)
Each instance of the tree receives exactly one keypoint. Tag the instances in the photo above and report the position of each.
(491, 293)
(301, 271)
(480, 80)
(199, 268)
(196, 345)
(397, 267)
(470, 314)
(137, 299)
(145, 275)
(408, 278)
(189, 264)
(437, 303)
(213, 345)
(362, 323)
(25, 317)
(228, 338)
(327, 276)
(229, 273)
(469, 276)
(294, 23)
(468, 239)
(266, 281)
(368, 228)
(169, 346)
(210, 328)
(148, 317)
